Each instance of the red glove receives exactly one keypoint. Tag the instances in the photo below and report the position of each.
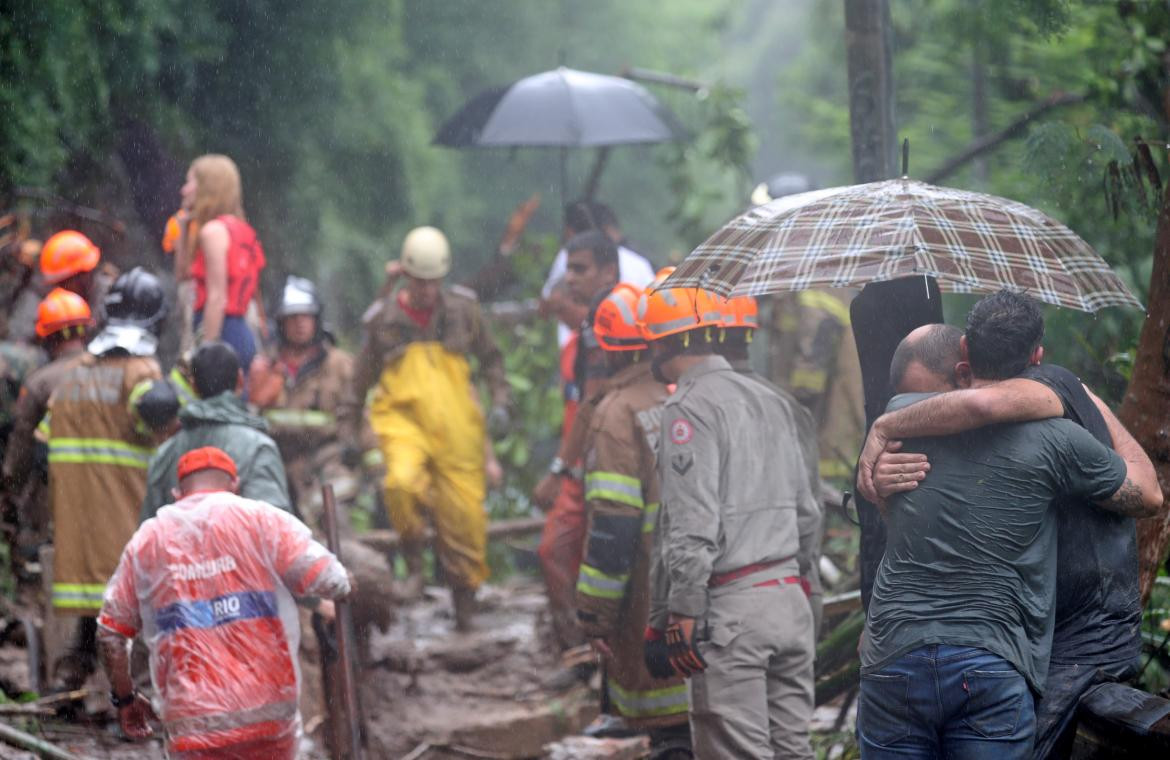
(680, 638)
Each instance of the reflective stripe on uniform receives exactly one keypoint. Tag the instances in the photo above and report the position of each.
(99, 451)
(613, 486)
(43, 427)
(373, 458)
(644, 704)
(86, 595)
(808, 379)
(309, 418)
(136, 393)
(183, 388)
(835, 468)
(826, 302)
(593, 582)
(225, 721)
(648, 517)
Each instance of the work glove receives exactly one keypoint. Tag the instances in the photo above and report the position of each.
(499, 421)
(680, 647)
(654, 654)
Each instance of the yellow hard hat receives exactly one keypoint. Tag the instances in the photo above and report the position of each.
(426, 254)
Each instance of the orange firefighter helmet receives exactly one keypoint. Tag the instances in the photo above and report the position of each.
(66, 254)
(616, 323)
(61, 310)
(741, 311)
(671, 311)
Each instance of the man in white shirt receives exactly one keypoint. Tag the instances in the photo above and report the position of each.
(633, 267)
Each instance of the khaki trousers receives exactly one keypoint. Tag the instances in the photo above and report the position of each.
(755, 699)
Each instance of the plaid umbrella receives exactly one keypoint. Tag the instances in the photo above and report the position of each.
(850, 236)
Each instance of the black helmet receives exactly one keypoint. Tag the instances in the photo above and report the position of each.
(136, 299)
(299, 297)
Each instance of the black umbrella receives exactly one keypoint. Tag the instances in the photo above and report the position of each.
(563, 108)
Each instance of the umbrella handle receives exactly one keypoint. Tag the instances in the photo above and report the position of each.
(905, 158)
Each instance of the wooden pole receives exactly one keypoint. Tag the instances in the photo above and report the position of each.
(345, 639)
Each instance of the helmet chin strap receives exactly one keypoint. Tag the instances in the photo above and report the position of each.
(675, 347)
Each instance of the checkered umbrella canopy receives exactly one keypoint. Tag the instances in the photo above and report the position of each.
(850, 236)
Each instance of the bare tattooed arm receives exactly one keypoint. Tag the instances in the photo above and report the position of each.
(1140, 495)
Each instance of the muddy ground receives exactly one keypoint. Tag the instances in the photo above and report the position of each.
(429, 693)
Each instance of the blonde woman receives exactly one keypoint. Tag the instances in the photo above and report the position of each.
(227, 259)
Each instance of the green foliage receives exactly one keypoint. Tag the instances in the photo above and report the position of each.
(707, 173)
(963, 69)
(531, 359)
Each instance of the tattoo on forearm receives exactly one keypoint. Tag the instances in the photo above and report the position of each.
(1127, 500)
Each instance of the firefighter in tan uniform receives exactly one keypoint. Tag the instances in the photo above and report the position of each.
(63, 323)
(431, 428)
(99, 448)
(735, 492)
(621, 499)
(304, 390)
(814, 357)
(740, 322)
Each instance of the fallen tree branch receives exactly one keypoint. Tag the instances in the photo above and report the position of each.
(988, 142)
(27, 710)
(34, 744)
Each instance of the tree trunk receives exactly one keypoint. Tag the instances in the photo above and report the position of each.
(869, 61)
(1146, 408)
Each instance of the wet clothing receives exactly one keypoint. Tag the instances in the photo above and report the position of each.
(1097, 632)
(1098, 603)
(209, 583)
(562, 545)
(26, 473)
(17, 360)
(457, 326)
(1066, 685)
(236, 333)
(613, 591)
(315, 402)
(31, 407)
(755, 699)
(245, 261)
(733, 480)
(430, 426)
(806, 431)
(735, 495)
(98, 453)
(812, 354)
(983, 527)
(224, 422)
(562, 541)
(941, 701)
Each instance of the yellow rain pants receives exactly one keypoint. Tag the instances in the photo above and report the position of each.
(431, 432)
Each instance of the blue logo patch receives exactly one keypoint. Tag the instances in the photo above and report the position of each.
(209, 613)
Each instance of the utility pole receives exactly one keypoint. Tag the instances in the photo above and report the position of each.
(869, 51)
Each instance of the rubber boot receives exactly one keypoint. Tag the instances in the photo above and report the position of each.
(464, 603)
(412, 588)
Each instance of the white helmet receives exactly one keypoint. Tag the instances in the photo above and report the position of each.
(426, 254)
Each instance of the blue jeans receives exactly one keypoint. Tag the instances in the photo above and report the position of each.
(938, 701)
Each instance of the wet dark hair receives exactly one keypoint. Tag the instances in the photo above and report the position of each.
(1003, 330)
(582, 216)
(598, 243)
(937, 350)
(215, 369)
